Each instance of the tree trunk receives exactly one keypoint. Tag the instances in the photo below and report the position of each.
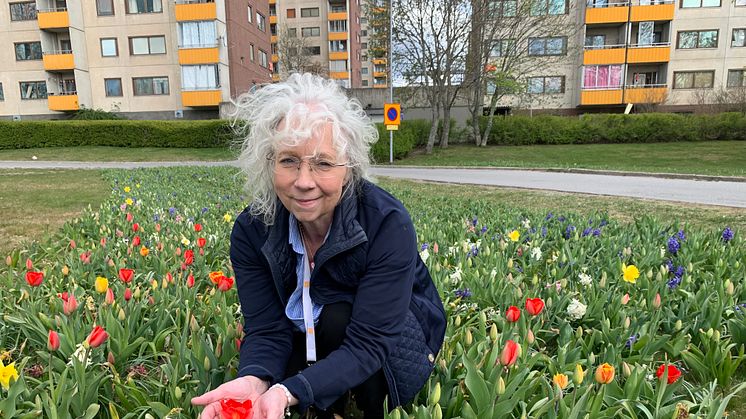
(433, 129)
(476, 114)
(446, 126)
(488, 129)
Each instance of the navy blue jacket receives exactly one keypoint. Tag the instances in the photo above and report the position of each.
(370, 260)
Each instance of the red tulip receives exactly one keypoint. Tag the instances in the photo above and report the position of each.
(63, 296)
(97, 337)
(513, 314)
(509, 354)
(190, 280)
(69, 305)
(534, 306)
(225, 283)
(73, 245)
(198, 227)
(136, 241)
(103, 241)
(238, 344)
(135, 227)
(126, 275)
(189, 257)
(201, 242)
(232, 409)
(34, 278)
(109, 300)
(53, 343)
(127, 294)
(169, 277)
(130, 217)
(201, 251)
(673, 373)
(29, 264)
(519, 252)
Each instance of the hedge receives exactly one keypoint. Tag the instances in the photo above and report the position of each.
(409, 135)
(615, 128)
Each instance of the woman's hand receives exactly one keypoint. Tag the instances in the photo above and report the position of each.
(271, 404)
(240, 389)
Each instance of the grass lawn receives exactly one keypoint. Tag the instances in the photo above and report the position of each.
(92, 153)
(726, 158)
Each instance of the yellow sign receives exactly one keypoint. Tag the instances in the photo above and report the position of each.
(391, 114)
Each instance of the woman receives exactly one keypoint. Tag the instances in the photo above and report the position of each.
(332, 289)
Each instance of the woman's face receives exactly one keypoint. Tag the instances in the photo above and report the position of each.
(311, 192)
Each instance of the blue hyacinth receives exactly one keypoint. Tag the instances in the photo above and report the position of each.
(673, 245)
(727, 234)
(464, 293)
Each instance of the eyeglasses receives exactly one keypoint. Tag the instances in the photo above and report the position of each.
(290, 166)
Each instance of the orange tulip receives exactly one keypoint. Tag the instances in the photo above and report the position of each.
(560, 380)
(604, 373)
(144, 251)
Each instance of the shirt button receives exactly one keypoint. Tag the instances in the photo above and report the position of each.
(431, 358)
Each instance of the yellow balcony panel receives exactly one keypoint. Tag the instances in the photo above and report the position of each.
(380, 86)
(189, 56)
(273, 39)
(196, 11)
(606, 15)
(338, 55)
(652, 12)
(338, 16)
(272, 1)
(275, 58)
(603, 56)
(379, 74)
(379, 61)
(59, 62)
(273, 19)
(338, 75)
(200, 98)
(601, 97)
(337, 36)
(275, 77)
(63, 103)
(649, 54)
(53, 20)
(645, 94)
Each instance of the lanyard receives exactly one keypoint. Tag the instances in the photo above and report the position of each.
(308, 312)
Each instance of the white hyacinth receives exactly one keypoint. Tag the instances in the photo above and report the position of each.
(585, 279)
(526, 223)
(536, 253)
(79, 354)
(456, 276)
(424, 255)
(576, 309)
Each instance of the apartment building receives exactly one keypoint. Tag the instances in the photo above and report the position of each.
(146, 59)
(674, 54)
(333, 36)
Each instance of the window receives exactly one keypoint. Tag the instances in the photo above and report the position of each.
(502, 47)
(2, 96)
(363, 20)
(337, 26)
(109, 47)
(364, 70)
(292, 32)
(698, 39)
(685, 4)
(602, 77)
(273, 10)
(338, 65)
(263, 59)
(546, 85)
(198, 34)
(548, 7)
(251, 14)
(736, 78)
(740, 3)
(365, 83)
(595, 41)
(364, 45)
(23, 11)
(547, 46)
(251, 52)
(26, 51)
(113, 87)
(148, 86)
(739, 38)
(503, 8)
(33, 90)
(309, 12)
(200, 77)
(291, 13)
(143, 6)
(312, 50)
(145, 45)
(338, 46)
(645, 78)
(305, 32)
(337, 8)
(364, 32)
(261, 22)
(693, 79)
(105, 7)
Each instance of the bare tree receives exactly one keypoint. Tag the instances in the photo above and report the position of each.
(295, 55)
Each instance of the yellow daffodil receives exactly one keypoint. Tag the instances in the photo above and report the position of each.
(185, 241)
(514, 235)
(631, 273)
(102, 284)
(227, 217)
(6, 373)
(127, 189)
(560, 380)
(129, 201)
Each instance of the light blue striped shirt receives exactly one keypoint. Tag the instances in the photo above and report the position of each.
(294, 309)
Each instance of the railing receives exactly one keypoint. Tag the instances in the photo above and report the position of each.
(57, 52)
(601, 87)
(651, 3)
(591, 5)
(614, 46)
(193, 1)
(63, 93)
(200, 88)
(645, 86)
(653, 45)
(193, 46)
(52, 10)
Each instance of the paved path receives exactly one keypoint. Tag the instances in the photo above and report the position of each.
(710, 192)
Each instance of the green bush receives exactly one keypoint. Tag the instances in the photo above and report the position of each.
(409, 135)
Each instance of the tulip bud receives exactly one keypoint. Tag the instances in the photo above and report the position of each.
(219, 347)
(709, 332)
(553, 272)
(193, 324)
(530, 337)
(206, 363)
(443, 364)
(65, 270)
(690, 267)
(110, 358)
(435, 395)
(127, 294)
(510, 263)
(626, 370)
(121, 316)
(500, 386)
(650, 273)
(577, 378)
(625, 299)
(109, 300)
(177, 393)
(626, 322)
(657, 301)
(678, 325)
(729, 289)
(457, 322)
(592, 358)
(602, 282)
(716, 335)
(579, 332)
(137, 293)
(29, 264)
(437, 412)
(154, 284)
(53, 343)
(395, 414)
(493, 332)
(503, 245)
(468, 338)
(643, 303)
(535, 279)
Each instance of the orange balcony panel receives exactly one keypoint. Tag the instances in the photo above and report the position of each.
(273, 19)
(272, 1)
(337, 36)
(200, 98)
(275, 58)
(338, 55)
(645, 95)
(603, 56)
(196, 11)
(606, 15)
(379, 61)
(273, 39)
(379, 74)
(338, 16)
(53, 20)
(649, 55)
(601, 97)
(63, 103)
(339, 75)
(380, 86)
(275, 77)
(199, 56)
(59, 62)
(652, 12)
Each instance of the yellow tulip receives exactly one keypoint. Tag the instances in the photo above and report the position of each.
(631, 273)
(102, 284)
(578, 376)
(560, 380)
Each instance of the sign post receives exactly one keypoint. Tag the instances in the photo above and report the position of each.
(392, 119)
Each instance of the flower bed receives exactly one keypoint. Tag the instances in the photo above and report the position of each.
(131, 310)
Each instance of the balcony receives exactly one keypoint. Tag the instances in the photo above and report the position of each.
(59, 61)
(273, 20)
(275, 58)
(53, 19)
(200, 98)
(657, 10)
(337, 36)
(273, 39)
(611, 96)
(186, 11)
(63, 102)
(613, 12)
(380, 74)
(380, 85)
(655, 53)
(339, 55)
(339, 75)
(379, 61)
(653, 93)
(198, 55)
(338, 16)
(272, 1)
(275, 77)
(608, 54)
